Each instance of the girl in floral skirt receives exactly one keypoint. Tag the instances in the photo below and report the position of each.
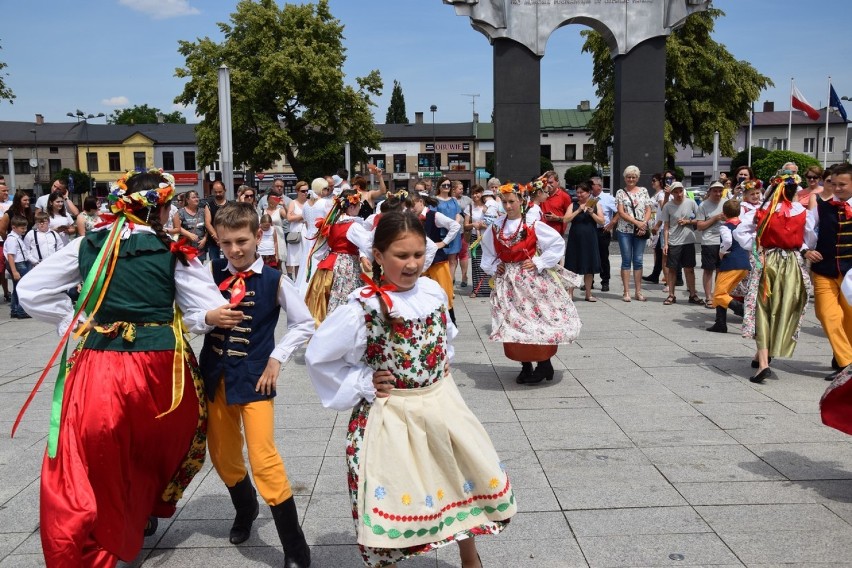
(530, 302)
(338, 273)
(447, 483)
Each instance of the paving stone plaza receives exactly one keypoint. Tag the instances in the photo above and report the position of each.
(649, 448)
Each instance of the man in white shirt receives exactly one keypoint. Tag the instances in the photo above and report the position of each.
(5, 203)
(610, 210)
(62, 187)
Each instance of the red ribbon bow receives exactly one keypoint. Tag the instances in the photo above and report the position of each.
(843, 206)
(380, 291)
(236, 284)
(183, 246)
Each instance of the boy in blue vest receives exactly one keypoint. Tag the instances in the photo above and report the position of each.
(732, 269)
(240, 368)
(831, 259)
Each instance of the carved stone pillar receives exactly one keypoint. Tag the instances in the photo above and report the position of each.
(517, 116)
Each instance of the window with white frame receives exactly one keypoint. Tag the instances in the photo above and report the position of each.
(809, 146)
(830, 144)
(763, 143)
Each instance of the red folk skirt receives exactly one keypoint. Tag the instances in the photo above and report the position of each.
(116, 463)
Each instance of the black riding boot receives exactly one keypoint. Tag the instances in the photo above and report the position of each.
(544, 370)
(297, 554)
(737, 307)
(721, 325)
(244, 498)
(525, 374)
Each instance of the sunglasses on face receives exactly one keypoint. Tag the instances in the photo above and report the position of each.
(303, 191)
(812, 177)
(248, 195)
(445, 185)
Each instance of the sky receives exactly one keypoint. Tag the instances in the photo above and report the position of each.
(103, 55)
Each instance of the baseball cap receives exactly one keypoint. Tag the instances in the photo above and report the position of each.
(676, 185)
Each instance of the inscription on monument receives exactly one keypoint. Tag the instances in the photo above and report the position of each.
(531, 22)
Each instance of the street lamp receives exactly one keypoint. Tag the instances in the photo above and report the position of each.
(434, 109)
(82, 116)
(35, 164)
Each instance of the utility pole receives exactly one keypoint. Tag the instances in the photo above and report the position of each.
(473, 126)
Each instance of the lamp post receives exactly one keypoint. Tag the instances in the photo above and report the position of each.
(434, 109)
(35, 146)
(83, 117)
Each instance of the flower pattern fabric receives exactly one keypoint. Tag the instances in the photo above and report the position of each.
(415, 351)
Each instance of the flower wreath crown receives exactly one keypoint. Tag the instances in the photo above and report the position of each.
(129, 203)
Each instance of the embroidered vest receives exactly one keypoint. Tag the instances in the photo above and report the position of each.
(784, 232)
(239, 355)
(520, 251)
(338, 244)
(834, 241)
(141, 258)
(433, 231)
(737, 257)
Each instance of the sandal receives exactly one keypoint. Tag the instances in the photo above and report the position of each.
(625, 298)
(641, 298)
(694, 299)
(591, 299)
(670, 300)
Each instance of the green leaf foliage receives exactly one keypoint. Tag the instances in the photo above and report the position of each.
(143, 114)
(545, 166)
(5, 91)
(288, 95)
(576, 174)
(741, 159)
(707, 89)
(82, 181)
(396, 110)
(766, 167)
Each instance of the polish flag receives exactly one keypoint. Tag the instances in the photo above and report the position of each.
(800, 103)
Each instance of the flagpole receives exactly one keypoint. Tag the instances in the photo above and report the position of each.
(790, 117)
(750, 124)
(825, 137)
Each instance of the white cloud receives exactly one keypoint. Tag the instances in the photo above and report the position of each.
(161, 9)
(116, 101)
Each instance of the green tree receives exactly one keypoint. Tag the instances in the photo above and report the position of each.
(82, 181)
(707, 89)
(576, 174)
(766, 167)
(144, 115)
(545, 166)
(288, 95)
(396, 109)
(741, 159)
(5, 91)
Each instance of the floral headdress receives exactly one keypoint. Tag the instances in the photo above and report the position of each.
(510, 187)
(752, 184)
(130, 204)
(346, 202)
(401, 194)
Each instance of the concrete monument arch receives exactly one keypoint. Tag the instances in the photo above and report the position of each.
(635, 31)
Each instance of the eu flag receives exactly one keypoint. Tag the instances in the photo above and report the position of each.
(834, 101)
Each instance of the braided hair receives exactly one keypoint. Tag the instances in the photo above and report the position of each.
(152, 180)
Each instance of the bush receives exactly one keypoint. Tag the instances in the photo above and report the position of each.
(769, 165)
(545, 165)
(741, 159)
(576, 174)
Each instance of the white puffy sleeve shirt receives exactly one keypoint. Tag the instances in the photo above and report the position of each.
(550, 244)
(42, 290)
(338, 371)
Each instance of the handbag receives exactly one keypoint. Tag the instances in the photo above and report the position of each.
(636, 234)
(293, 238)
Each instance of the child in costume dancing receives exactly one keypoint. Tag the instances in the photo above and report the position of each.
(530, 302)
(240, 369)
(408, 412)
(130, 434)
(778, 287)
(336, 275)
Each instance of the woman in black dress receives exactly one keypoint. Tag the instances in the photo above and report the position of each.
(581, 250)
